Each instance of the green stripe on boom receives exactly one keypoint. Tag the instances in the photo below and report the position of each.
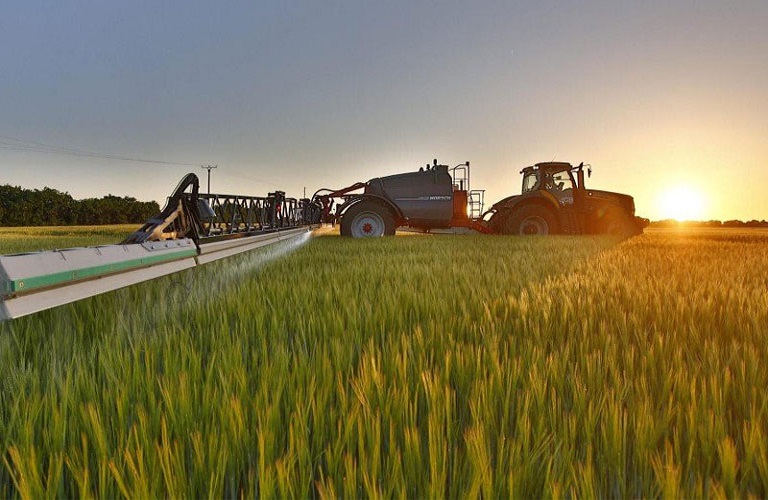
(47, 280)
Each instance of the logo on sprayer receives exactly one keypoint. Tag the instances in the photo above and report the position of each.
(426, 198)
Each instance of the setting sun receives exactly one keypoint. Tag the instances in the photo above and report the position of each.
(682, 203)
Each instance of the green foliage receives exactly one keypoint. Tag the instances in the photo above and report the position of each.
(49, 207)
(421, 366)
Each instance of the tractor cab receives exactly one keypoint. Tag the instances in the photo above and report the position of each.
(556, 178)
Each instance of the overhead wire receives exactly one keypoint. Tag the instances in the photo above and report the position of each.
(14, 144)
(242, 175)
(8, 143)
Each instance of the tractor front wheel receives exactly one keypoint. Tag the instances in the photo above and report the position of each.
(531, 220)
(617, 222)
(367, 219)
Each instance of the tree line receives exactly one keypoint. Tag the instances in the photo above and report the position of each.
(50, 207)
(710, 223)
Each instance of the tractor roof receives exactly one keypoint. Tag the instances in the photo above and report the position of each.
(550, 166)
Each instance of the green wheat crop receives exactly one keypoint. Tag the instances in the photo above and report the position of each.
(32, 239)
(410, 367)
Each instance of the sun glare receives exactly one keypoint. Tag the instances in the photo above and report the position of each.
(681, 203)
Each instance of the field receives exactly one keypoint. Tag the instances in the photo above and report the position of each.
(32, 239)
(418, 366)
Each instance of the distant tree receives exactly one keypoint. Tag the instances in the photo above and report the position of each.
(50, 207)
(710, 223)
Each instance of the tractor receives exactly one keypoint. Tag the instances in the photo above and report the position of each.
(553, 201)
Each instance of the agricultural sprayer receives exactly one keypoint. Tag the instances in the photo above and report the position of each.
(195, 228)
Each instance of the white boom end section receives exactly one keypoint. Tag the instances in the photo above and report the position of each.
(33, 282)
(47, 299)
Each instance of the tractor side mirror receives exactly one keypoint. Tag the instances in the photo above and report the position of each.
(589, 171)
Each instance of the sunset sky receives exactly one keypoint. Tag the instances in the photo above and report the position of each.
(666, 100)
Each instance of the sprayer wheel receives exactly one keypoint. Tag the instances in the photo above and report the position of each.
(367, 219)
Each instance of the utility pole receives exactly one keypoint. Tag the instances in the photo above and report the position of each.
(209, 168)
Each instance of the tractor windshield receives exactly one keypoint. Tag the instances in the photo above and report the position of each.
(529, 181)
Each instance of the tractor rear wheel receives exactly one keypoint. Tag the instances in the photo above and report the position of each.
(367, 219)
(531, 220)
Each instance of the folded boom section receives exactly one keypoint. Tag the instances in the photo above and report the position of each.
(193, 229)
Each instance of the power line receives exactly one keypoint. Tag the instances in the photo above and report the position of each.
(242, 175)
(13, 144)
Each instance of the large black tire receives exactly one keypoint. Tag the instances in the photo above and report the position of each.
(531, 220)
(367, 219)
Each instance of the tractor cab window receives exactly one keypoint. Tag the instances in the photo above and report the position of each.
(560, 184)
(529, 181)
(561, 181)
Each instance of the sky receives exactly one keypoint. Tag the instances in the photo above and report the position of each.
(660, 97)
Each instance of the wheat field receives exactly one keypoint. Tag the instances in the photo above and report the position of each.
(422, 366)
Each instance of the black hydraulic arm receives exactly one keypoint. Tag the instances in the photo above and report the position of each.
(213, 217)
